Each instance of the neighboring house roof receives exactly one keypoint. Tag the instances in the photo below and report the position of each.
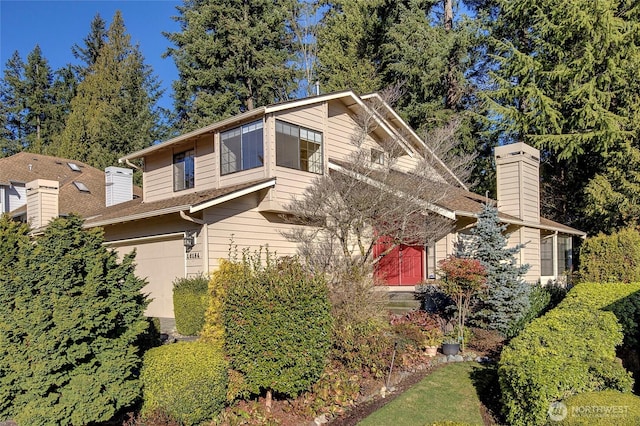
(25, 167)
(194, 201)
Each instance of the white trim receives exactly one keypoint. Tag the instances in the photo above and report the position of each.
(575, 232)
(414, 134)
(232, 196)
(138, 216)
(170, 236)
(198, 132)
(425, 204)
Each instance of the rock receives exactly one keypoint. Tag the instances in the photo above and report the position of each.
(383, 391)
(458, 358)
(320, 420)
(451, 358)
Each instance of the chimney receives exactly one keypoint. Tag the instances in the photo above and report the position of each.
(119, 185)
(42, 202)
(518, 181)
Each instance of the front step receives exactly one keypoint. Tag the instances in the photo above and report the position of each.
(401, 302)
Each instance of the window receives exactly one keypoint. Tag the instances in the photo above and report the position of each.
(241, 148)
(183, 170)
(564, 254)
(546, 257)
(377, 156)
(298, 148)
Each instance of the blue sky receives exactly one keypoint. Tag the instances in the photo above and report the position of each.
(57, 25)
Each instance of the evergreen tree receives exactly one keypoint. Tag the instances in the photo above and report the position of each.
(69, 328)
(566, 82)
(38, 105)
(93, 42)
(232, 56)
(114, 111)
(12, 102)
(506, 298)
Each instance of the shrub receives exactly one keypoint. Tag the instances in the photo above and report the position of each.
(361, 334)
(569, 350)
(185, 380)
(602, 408)
(277, 326)
(505, 300)
(611, 258)
(227, 273)
(190, 304)
(69, 329)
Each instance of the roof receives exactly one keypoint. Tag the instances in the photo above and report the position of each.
(194, 201)
(348, 97)
(459, 202)
(25, 167)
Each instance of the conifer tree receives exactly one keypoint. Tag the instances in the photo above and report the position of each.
(114, 111)
(232, 56)
(69, 328)
(93, 42)
(566, 82)
(506, 298)
(11, 101)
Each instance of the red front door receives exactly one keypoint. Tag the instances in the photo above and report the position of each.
(402, 265)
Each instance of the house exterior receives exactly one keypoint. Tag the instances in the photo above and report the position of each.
(230, 182)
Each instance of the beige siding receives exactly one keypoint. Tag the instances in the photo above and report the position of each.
(311, 117)
(530, 253)
(42, 202)
(239, 221)
(341, 126)
(518, 186)
(158, 176)
(206, 164)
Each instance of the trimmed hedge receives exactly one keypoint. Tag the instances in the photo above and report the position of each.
(277, 326)
(570, 350)
(611, 258)
(602, 408)
(187, 380)
(190, 304)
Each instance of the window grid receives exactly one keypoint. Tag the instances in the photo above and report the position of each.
(183, 170)
(242, 148)
(298, 148)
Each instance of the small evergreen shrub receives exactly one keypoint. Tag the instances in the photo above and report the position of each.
(505, 302)
(602, 408)
(185, 380)
(277, 325)
(190, 304)
(570, 350)
(611, 258)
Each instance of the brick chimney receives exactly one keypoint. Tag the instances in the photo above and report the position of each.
(119, 185)
(42, 202)
(518, 181)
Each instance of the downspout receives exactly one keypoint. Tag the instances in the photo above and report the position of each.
(205, 237)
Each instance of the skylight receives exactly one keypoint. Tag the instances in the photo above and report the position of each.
(81, 186)
(74, 167)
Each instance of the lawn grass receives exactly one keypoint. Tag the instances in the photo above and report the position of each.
(446, 394)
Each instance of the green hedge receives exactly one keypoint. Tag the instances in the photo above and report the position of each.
(190, 304)
(188, 381)
(277, 326)
(611, 258)
(603, 408)
(570, 350)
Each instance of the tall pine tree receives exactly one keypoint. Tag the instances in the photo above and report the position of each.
(566, 82)
(232, 56)
(114, 111)
(506, 298)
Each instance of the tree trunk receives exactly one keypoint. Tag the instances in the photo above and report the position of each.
(448, 15)
(268, 401)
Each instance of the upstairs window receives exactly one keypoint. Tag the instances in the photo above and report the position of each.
(298, 148)
(241, 148)
(377, 156)
(183, 170)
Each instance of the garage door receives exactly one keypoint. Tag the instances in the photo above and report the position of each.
(160, 262)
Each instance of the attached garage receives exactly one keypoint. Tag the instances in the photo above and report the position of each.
(160, 260)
